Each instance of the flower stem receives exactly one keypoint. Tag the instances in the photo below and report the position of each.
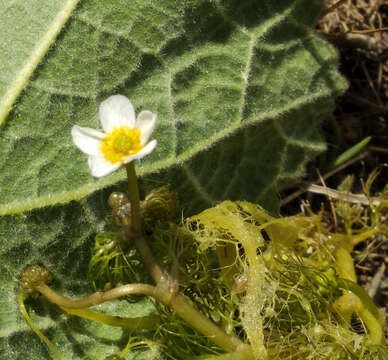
(135, 234)
(134, 197)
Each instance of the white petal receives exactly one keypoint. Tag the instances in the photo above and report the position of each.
(143, 152)
(116, 111)
(145, 122)
(99, 166)
(86, 139)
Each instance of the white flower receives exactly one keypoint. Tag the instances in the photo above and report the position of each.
(123, 139)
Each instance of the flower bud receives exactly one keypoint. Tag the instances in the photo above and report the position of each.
(160, 204)
(122, 215)
(117, 199)
(32, 277)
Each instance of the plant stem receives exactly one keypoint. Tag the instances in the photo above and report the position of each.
(363, 236)
(237, 355)
(149, 260)
(350, 303)
(362, 295)
(376, 332)
(100, 297)
(368, 312)
(24, 312)
(165, 282)
(179, 303)
(144, 322)
(134, 197)
(203, 325)
(344, 264)
(134, 232)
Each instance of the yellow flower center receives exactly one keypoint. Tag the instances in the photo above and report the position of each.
(120, 143)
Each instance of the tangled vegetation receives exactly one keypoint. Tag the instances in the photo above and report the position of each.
(285, 287)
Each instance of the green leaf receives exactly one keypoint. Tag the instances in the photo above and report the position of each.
(210, 70)
(27, 31)
(240, 89)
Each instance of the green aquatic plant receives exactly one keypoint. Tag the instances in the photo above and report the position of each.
(301, 299)
(235, 282)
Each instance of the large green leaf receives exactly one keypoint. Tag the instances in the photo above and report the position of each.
(209, 69)
(240, 88)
